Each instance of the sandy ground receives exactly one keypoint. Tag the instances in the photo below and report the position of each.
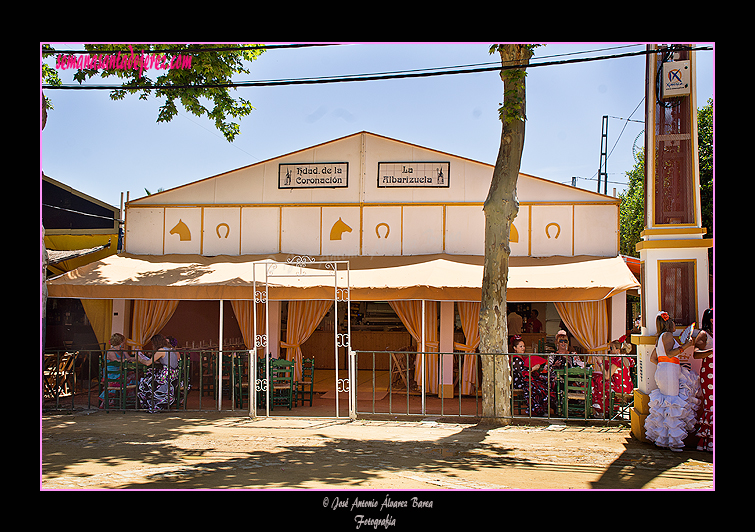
(230, 451)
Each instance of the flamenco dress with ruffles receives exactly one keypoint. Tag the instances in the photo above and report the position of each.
(705, 429)
(620, 382)
(673, 404)
(524, 378)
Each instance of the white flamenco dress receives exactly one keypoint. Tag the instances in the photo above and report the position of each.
(673, 405)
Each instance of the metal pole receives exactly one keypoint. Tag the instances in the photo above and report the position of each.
(220, 358)
(253, 350)
(423, 357)
(335, 333)
(265, 344)
(352, 356)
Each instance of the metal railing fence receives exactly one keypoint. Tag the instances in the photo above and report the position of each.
(76, 380)
(547, 393)
(83, 379)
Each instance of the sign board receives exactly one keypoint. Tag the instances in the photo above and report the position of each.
(313, 175)
(414, 174)
(676, 79)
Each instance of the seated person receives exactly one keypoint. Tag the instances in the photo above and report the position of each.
(614, 371)
(111, 373)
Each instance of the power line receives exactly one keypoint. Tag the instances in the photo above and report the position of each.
(359, 77)
(625, 126)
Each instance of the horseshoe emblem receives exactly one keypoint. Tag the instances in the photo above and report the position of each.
(387, 229)
(227, 229)
(558, 230)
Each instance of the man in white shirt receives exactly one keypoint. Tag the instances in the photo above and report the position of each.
(514, 322)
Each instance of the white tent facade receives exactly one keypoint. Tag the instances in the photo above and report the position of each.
(408, 219)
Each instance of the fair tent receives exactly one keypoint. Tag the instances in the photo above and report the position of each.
(438, 277)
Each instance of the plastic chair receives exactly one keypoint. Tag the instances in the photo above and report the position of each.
(307, 383)
(281, 383)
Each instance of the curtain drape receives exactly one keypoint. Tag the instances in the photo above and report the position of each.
(410, 313)
(244, 312)
(100, 315)
(303, 319)
(149, 317)
(469, 313)
(588, 322)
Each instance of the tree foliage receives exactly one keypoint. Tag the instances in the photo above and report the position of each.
(201, 89)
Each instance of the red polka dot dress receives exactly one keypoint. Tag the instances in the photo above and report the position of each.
(705, 430)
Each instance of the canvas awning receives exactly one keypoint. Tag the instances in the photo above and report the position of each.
(432, 277)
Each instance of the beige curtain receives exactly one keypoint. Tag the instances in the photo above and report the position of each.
(149, 317)
(469, 313)
(410, 313)
(244, 312)
(303, 319)
(588, 322)
(100, 315)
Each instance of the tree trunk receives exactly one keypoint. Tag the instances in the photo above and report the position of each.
(501, 207)
(44, 253)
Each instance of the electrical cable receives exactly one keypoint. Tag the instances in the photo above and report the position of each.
(356, 77)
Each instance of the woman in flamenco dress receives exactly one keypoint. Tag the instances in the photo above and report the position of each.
(704, 351)
(668, 423)
(527, 376)
(615, 372)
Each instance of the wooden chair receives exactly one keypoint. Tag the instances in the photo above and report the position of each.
(119, 392)
(240, 379)
(184, 379)
(307, 383)
(260, 389)
(399, 367)
(207, 373)
(58, 374)
(226, 377)
(281, 383)
(520, 406)
(575, 391)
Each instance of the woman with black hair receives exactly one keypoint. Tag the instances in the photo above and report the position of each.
(157, 389)
(704, 351)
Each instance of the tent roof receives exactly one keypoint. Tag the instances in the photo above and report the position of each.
(433, 277)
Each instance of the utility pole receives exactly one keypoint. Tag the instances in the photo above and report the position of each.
(602, 171)
(673, 252)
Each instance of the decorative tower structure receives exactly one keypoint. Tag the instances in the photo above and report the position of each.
(673, 252)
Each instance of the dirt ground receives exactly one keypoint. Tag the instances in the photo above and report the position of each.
(94, 450)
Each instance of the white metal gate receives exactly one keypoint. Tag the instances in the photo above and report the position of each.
(303, 266)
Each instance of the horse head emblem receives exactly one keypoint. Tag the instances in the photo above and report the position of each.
(182, 230)
(338, 229)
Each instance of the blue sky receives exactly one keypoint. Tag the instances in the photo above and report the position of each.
(102, 147)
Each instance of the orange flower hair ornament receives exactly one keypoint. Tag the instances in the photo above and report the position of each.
(663, 315)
